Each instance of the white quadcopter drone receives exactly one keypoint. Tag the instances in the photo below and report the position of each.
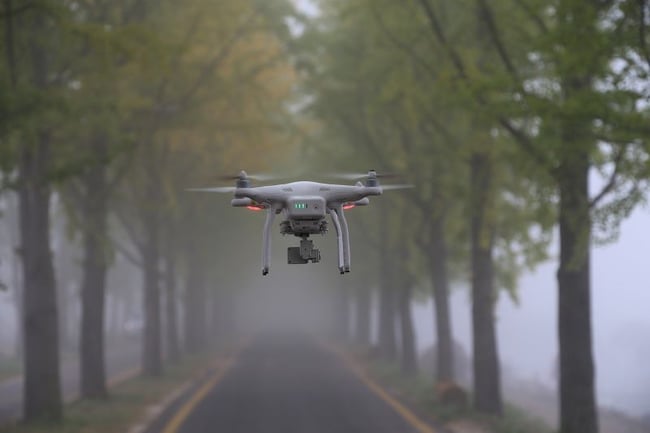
(304, 206)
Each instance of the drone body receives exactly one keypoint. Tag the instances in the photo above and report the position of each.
(304, 207)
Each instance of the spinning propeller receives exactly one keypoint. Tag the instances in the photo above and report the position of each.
(243, 181)
(371, 179)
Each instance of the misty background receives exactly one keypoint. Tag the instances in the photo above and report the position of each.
(522, 127)
(526, 331)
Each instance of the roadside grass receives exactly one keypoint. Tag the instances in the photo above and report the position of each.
(9, 367)
(418, 391)
(126, 405)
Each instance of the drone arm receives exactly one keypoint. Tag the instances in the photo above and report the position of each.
(346, 238)
(266, 240)
(339, 239)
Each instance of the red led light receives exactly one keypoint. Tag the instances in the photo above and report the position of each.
(348, 206)
(255, 208)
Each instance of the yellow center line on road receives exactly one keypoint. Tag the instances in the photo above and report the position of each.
(181, 415)
(376, 389)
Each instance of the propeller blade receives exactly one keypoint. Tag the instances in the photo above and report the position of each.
(222, 189)
(262, 177)
(359, 176)
(347, 176)
(395, 187)
(226, 177)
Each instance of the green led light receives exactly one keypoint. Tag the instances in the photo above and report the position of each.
(300, 205)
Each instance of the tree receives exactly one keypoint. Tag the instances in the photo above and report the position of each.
(41, 345)
(570, 111)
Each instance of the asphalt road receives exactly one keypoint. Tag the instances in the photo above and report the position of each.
(287, 385)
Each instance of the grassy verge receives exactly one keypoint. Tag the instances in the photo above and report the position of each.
(418, 391)
(9, 368)
(126, 405)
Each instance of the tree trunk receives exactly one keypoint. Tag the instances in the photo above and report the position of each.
(173, 348)
(93, 288)
(42, 389)
(10, 50)
(487, 381)
(152, 351)
(387, 301)
(440, 283)
(362, 325)
(579, 25)
(578, 413)
(387, 337)
(12, 219)
(408, 359)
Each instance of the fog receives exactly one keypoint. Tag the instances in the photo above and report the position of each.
(298, 297)
(292, 298)
(621, 321)
(461, 146)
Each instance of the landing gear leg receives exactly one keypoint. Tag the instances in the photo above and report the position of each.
(339, 239)
(266, 246)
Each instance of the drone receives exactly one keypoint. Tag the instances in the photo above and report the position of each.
(304, 206)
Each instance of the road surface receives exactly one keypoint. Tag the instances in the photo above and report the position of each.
(289, 385)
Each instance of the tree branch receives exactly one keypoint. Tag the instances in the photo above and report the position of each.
(399, 44)
(520, 137)
(9, 11)
(526, 144)
(613, 178)
(495, 36)
(533, 16)
(217, 60)
(130, 230)
(126, 253)
(442, 39)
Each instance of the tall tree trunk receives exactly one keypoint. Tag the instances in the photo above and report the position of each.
(12, 219)
(387, 301)
(579, 24)
(362, 304)
(387, 337)
(440, 282)
(173, 348)
(578, 413)
(408, 360)
(93, 287)
(9, 42)
(42, 389)
(152, 350)
(487, 380)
